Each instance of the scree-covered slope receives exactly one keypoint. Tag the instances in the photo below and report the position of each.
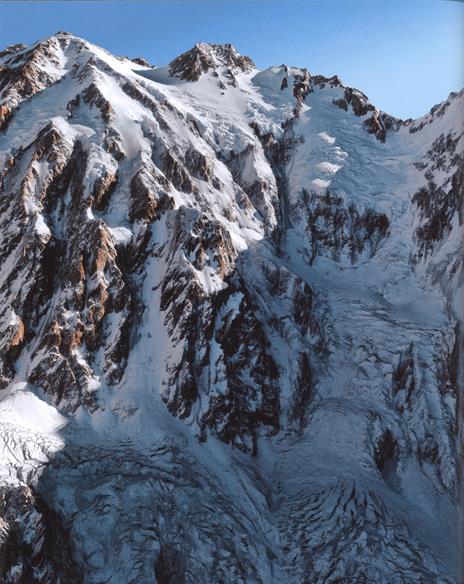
(231, 325)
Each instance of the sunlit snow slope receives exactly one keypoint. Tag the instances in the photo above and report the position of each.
(231, 321)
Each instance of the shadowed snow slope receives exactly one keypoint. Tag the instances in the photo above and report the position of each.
(231, 314)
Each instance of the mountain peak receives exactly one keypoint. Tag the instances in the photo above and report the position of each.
(205, 57)
(64, 38)
(64, 33)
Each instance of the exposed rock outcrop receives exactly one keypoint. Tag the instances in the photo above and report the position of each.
(204, 58)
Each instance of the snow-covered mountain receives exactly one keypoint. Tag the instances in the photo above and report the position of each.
(231, 320)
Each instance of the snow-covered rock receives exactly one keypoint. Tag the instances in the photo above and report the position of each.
(231, 324)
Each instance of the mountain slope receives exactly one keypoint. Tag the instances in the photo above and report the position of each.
(231, 324)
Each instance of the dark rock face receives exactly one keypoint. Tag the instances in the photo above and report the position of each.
(437, 208)
(203, 58)
(90, 255)
(438, 205)
(34, 545)
(149, 196)
(334, 229)
(386, 452)
(261, 191)
(378, 124)
(22, 74)
(278, 154)
(323, 82)
(301, 88)
(303, 397)
(92, 95)
(224, 326)
(404, 379)
(141, 61)
(170, 566)
(251, 399)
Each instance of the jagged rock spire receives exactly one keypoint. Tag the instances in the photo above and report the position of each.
(204, 57)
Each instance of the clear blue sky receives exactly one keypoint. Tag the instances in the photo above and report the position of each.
(406, 55)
